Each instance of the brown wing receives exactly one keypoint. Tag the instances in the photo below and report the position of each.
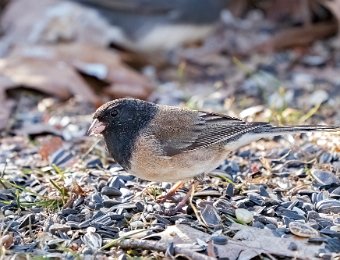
(185, 130)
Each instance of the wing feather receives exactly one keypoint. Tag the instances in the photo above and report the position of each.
(207, 129)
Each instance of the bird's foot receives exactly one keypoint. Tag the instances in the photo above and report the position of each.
(183, 202)
(171, 192)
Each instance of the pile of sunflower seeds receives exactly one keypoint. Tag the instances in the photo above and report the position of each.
(68, 211)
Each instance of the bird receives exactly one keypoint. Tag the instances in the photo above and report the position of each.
(169, 144)
(147, 26)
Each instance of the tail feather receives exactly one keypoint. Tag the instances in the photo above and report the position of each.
(268, 130)
(296, 129)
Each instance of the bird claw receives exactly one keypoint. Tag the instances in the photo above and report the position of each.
(169, 195)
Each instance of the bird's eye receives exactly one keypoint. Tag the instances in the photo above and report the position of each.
(114, 113)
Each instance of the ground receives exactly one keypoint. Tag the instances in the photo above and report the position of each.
(62, 196)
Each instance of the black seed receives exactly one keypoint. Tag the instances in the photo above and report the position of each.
(292, 246)
(219, 240)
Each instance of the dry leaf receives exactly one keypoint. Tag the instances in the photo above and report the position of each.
(49, 146)
(48, 76)
(101, 63)
(248, 242)
(294, 11)
(53, 70)
(264, 241)
(6, 241)
(211, 250)
(299, 36)
(76, 189)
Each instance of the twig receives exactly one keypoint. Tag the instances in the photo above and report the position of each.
(192, 191)
(90, 149)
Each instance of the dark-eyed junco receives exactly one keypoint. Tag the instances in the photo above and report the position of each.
(158, 25)
(165, 143)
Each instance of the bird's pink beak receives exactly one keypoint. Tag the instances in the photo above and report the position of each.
(96, 128)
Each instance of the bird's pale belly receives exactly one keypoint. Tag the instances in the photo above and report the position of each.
(178, 167)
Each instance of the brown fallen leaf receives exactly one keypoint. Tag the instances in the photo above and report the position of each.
(76, 189)
(211, 250)
(7, 241)
(106, 65)
(292, 11)
(53, 70)
(101, 63)
(300, 36)
(49, 76)
(248, 242)
(49, 145)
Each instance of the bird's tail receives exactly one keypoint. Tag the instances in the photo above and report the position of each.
(265, 130)
(279, 130)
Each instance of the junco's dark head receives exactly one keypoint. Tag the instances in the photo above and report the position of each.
(120, 122)
(163, 143)
(122, 114)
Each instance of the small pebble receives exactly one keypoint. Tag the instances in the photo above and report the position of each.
(136, 224)
(318, 97)
(244, 215)
(335, 228)
(8, 212)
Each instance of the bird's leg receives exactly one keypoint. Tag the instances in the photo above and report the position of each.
(185, 199)
(171, 192)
